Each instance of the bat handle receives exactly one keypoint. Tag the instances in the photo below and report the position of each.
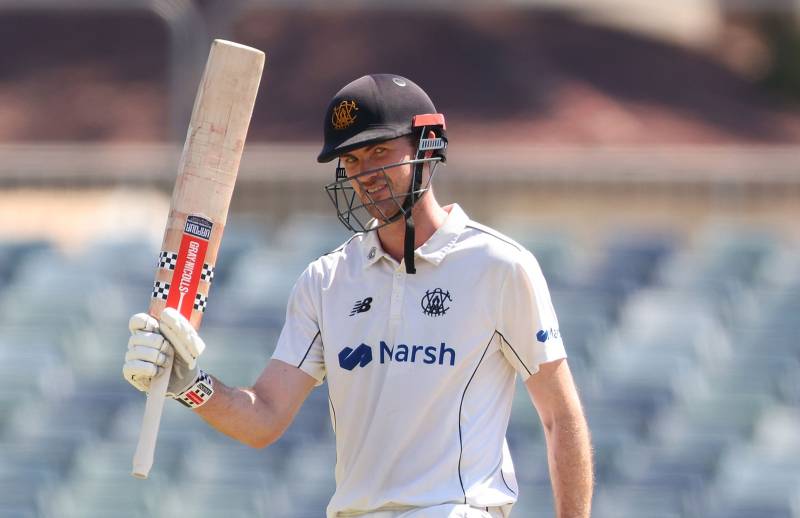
(145, 449)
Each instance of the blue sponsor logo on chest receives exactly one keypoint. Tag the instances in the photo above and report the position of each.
(361, 356)
(429, 354)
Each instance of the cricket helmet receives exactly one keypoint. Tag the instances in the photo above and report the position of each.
(373, 109)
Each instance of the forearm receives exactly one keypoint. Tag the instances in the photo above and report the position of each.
(240, 414)
(569, 455)
(257, 416)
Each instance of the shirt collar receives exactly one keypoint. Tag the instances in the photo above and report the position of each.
(433, 250)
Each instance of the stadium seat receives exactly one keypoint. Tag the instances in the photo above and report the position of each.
(778, 430)
(534, 500)
(723, 257)
(21, 492)
(630, 262)
(216, 499)
(750, 511)
(667, 319)
(685, 467)
(237, 355)
(88, 497)
(18, 512)
(748, 372)
(229, 461)
(39, 456)
(257, 290)
(721, 416)
(128, 262)
(583, 335)
(308, 236)
(749, 473)
(111, 459)
(313, 464)
(632, 500)
(178, 424)
(657, 373)
(576, 300)
(15, 253)
(530, 461)
(686, 358)
(97, 350)
(556, 252)
(80, 416)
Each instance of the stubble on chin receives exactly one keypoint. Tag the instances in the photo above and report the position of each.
(383, 210)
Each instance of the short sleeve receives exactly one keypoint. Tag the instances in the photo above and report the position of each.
(300, 341)
(527, 321)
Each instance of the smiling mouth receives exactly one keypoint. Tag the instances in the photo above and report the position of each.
(374, 190)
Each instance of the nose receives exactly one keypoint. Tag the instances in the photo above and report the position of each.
(364, 176)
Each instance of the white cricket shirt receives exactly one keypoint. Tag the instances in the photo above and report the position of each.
(421, 368)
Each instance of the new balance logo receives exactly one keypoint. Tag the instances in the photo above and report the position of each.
(361, 306)
(350, 358)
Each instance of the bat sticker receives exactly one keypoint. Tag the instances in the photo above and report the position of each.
(189, 265)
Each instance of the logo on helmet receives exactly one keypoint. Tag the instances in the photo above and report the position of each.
(343, 116)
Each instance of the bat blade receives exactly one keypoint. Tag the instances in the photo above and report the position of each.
(200, 200)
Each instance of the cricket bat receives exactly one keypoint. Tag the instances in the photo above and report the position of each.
(200, 200)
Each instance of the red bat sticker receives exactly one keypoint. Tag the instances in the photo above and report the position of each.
(189, 266)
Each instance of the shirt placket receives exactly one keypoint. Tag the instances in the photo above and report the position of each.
(399, 278)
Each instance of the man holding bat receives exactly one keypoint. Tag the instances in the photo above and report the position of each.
(420, 322)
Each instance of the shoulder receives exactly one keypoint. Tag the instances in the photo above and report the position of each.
(499, 252)
(492, 236)
(496, 245)
(329, 262)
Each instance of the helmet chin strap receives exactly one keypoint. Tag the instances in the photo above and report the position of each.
(408, 206)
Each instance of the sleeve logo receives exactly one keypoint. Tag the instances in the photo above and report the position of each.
(546, 334)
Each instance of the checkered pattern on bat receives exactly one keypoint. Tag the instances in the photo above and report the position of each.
(200, 301)
(207, 273)
(160, 290)
(167, 260)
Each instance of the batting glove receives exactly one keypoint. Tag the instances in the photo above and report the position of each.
(150, 344)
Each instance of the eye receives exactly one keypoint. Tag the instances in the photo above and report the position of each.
(349, 159)
(379, 150)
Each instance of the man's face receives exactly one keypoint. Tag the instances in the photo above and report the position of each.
(381, 190)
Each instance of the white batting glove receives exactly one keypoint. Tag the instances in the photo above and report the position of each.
(152, 341)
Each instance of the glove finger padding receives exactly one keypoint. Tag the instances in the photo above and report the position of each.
(153, 341)
(141, 383)
(139, 370)
(183, 337)
(150, 355)
(147, 351)
(142, 322)
(148, 340)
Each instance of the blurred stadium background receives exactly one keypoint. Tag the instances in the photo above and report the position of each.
(647, 152)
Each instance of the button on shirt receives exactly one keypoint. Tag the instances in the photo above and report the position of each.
(421, 368)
